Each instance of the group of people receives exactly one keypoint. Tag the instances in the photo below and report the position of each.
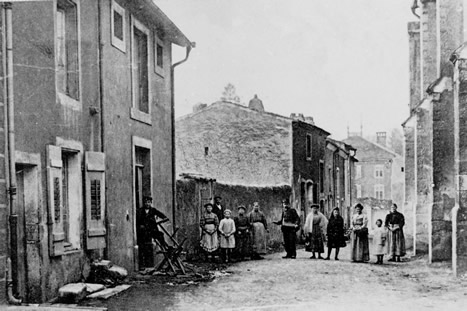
(386, 240)
(246, 234)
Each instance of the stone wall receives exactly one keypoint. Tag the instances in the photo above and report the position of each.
(190, 202)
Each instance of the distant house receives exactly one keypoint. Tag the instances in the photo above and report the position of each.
(249, 147)
(379, 173)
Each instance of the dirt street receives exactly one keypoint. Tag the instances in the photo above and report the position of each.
(304, 284)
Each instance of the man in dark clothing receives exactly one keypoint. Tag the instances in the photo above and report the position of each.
(147, 230)
(217, 208)
(290, 222)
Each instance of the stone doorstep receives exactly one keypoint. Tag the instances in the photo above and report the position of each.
(75, 292)
(109, 292)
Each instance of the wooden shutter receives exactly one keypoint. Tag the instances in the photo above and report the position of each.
(95, 200)
(55, 200)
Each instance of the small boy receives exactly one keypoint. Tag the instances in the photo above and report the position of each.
(227, 230)
(379, 241)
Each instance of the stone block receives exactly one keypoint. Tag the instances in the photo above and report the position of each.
(119, 271)
(92, 288)
(72, 293)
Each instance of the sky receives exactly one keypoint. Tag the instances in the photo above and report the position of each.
(343, 62)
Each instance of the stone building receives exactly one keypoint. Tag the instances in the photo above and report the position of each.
(434, 133)
(91, 84)
(250, 147)
(379, 173)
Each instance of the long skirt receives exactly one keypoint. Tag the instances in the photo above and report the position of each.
(315, 240)
(242, 239)
(396, 243)
(360, 247)
(209, 242)
(227, 242)
(259, 238)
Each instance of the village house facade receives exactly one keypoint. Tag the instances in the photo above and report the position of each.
(379, 173)
(252, 148)
(434, 132)
(92, 88)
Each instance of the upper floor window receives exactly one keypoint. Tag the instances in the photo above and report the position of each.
(358, 171)
(308, 146)
(140, 67)
(379, 192)
(379, 169)
(67, 48)
(359, 191)
(321, 176)
(118, 26)
(158, 56)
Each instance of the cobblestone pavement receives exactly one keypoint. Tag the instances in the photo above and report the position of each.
(303, 284)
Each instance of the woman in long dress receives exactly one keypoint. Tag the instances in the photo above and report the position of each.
(335, 232)
(209, 224)
(259, 228)
(359, 225)
(395, 222)
(315, 229)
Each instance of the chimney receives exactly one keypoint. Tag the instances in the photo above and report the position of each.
(199, 107)
(381, 138)
(256, 104)
(297, 116)
(309, 120)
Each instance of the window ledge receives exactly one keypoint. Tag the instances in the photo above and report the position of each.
(69, 102)
(140, 116)
(72, 252)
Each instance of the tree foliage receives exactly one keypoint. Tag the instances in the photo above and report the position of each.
(230, 94)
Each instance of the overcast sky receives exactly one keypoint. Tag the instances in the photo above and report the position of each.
(342, 62)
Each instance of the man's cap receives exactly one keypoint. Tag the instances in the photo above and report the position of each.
(286, 201)
(208, 204)
(242, 207)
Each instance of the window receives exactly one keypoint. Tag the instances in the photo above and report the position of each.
(67, 51)
(321, 176)
(118, 26)
(308, 146)
(359, 171)
(70, 192)
(140, 74)
(379, 192)
(206, 151)
(379, 171)
(159, 56)
(359, 191)
(338, 183)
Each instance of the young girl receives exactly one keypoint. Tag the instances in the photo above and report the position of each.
(227, 230)
(209, 224)
(379, 241)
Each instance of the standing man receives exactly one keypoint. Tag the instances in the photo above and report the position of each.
(147, 230)
(395, 222)
(217, 208)
(259, 228)
(290, 222)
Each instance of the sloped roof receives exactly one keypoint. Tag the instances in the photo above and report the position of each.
(235, 145)
(152, 14)
(368, 150)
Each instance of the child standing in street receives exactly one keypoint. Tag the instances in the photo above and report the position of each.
(379, 241)
(227, 230)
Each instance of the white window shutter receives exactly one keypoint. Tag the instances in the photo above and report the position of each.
(55, 200)
(95, 200)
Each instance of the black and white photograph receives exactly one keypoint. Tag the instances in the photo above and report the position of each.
(235, 155)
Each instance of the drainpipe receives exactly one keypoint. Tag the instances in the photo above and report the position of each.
(13, 217)
(172, 96)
